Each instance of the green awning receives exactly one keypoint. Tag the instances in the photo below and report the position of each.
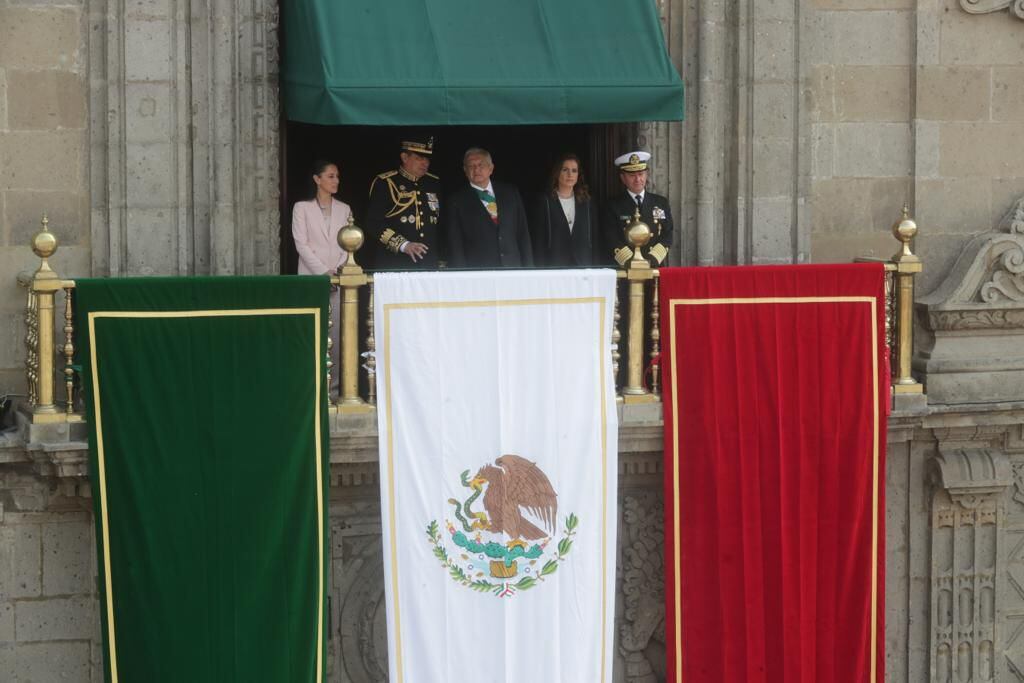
(440, 62)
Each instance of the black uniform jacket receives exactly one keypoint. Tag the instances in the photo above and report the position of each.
(402, 209)
(475, 241)
(553, 243)
(655, 212)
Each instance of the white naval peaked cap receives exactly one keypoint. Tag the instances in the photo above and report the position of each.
(633, 161)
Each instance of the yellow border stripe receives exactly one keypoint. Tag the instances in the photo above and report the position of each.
(101, 458)
(875, 448)
(497, 303)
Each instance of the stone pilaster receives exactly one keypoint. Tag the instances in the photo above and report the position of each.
(967, 519)
(184, 137)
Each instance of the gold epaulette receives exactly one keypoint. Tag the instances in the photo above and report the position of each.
(623, 254)
(386, 174)
(659, 252)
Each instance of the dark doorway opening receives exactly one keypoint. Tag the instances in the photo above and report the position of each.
(522, 156)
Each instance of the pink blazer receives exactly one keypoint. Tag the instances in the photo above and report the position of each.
(317, 242)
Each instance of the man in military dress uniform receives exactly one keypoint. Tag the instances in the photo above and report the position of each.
(654, 211)
(405, 208)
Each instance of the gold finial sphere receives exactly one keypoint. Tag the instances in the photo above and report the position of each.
(44, 244)
(905, 228)
(351, 236)
(637, 232)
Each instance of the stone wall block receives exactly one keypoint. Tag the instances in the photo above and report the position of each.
(823, 150)
(3, 99)
(872, 93)
(6, 622)
(45, 100)
(981, 38)
(848, 5)
(841, 248)
(33, 38)
(952, 205)
(67, 212)
(926, 149)
(981, 149)
(68, 566)
(773, 50)
(45, 662)
(772, 237)
(20, 561)
(55, 619)
(773, 168)
(1008, 94)
(819, 99)
(151, 105)
(773, 103)
(872, 150)
(953, 93)
(147, 50)
(868, 38)
(12, 339)
(152, 249)
(150, 174)
(42, 160)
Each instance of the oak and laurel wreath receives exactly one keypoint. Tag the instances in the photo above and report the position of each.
(483, 585)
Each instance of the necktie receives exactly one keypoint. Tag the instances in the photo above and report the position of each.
(639, 202)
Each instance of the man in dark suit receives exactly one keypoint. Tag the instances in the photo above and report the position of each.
(405, 206)
(654, 211)
(486, 221)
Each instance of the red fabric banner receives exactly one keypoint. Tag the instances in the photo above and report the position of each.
(774, 391)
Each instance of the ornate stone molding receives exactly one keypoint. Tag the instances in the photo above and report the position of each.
(975, 319)
(987, 6)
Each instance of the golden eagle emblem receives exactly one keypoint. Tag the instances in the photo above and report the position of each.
(510, 537)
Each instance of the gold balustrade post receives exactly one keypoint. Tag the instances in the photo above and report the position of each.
(350, 278)
(45, 284)
(655, 336)
(371, 348)
(907, 266)
(638, 272)
(616, 338)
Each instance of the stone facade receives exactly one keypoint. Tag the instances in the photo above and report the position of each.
(150, 134)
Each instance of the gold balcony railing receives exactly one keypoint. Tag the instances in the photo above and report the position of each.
(47, 359)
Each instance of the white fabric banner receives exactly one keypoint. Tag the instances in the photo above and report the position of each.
(498, 435)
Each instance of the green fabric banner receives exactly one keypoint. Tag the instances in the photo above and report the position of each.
(464, 62)
(208, 459)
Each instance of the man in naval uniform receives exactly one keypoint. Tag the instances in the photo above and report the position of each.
(404, 211)
(654, 211)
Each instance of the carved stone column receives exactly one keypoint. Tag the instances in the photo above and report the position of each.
(967, 520)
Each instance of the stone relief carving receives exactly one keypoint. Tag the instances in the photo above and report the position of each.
(642, 630)
(357, 588)
(986, 6)
(967, 528)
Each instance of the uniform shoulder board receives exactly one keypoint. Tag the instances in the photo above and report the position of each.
(386, 174)
(431, 175)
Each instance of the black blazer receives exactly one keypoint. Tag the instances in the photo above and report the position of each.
(474, 241)
(655, 213)
(553, 243)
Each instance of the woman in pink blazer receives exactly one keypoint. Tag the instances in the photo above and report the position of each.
(315, 227)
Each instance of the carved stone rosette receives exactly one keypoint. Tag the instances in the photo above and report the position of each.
(967, 519)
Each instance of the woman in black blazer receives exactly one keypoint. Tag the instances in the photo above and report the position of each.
(562, 222)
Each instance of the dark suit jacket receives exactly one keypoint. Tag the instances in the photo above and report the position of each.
(474, 241)
(655, 212)
(553, 244)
